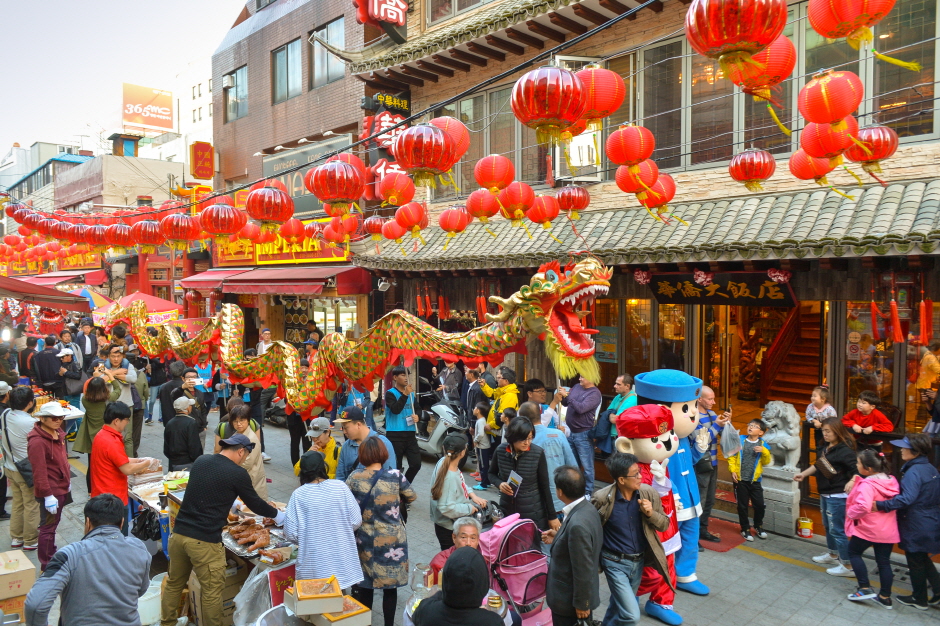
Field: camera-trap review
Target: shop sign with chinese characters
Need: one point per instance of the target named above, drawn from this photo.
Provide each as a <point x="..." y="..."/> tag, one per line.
<point x="732" y="288"/>
<point x="280" y="252"/>
<point x="276" y="166"/>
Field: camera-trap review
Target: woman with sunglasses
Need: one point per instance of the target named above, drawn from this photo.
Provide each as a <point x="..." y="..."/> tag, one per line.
<point x="45" y="446"/>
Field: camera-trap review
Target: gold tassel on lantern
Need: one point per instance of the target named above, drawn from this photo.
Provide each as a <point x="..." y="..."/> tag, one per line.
<point x="773" y="115"/>
<point x="854" y="175"/>
<point x="913" y="65"/>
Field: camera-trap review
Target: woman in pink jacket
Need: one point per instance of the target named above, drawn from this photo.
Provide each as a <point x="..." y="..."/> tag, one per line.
<point x="866" y="528"/>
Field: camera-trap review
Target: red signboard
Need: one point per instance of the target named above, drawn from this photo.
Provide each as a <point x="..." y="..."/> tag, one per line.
<point x="279" y="252"/>
<point x="391" y="11"/>
<point x="87" y="261"/>
<point x="201" y="160"/>
<point x="29" y="268"/>
<point x="383" y="121"/>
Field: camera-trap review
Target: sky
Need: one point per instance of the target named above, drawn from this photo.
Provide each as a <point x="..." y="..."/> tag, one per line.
<point x="63" y="62"/>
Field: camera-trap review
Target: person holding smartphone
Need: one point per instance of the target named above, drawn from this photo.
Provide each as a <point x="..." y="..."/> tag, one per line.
<point x="706" y="470"/>
<point x="200" y="411"/>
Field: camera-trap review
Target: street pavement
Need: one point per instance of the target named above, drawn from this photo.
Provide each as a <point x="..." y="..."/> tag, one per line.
<point x="763" y="583"/>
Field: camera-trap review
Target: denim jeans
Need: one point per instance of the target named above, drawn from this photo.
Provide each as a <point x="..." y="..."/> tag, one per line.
<point x="153" y="399"/>
<point x="623" y="580"/>
<point x="583" y="446"/>
<point x="833" y="517"/>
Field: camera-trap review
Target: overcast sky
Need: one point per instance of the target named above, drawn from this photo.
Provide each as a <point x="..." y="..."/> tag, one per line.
<point x="63" y="62"/>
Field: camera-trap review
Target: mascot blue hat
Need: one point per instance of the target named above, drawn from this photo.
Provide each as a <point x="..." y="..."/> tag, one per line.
<point x="667" y="386"/>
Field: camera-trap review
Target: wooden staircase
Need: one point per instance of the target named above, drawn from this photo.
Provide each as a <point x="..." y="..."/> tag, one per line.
<point x="790" y="368"/>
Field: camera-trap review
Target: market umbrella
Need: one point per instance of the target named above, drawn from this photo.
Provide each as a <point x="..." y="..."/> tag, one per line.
<point x="158" y="309"/>
<point x="96" y="300"/>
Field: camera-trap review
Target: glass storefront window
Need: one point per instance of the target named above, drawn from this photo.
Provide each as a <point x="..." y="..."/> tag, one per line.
<point x="712" y="112"/>
<point x="672" y="336"/>
<point x="662" y="102"/>
<point x="869" y="364"/>
<point x="636" y="344"/>
<point x="624" y="339"/>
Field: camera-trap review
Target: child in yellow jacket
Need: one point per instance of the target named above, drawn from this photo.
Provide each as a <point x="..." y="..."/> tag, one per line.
<point x="746" y="468"/>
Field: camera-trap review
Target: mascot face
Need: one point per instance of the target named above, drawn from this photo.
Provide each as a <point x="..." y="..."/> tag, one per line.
<point x="647" y="431"/>
<point x="674" y="390"/>
<point x="685" y="415"/>
<point x="657" y="448"/>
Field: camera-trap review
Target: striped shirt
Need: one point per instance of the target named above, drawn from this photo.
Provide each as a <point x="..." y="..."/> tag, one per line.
<point x="322" y="519"/>
<point x="707" y="420"/>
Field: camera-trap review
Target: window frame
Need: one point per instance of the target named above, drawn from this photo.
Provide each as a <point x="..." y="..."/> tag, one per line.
<point x="322" y="32"/>
<point x="454" y="12"/>
<point x="286" y="49"/>
<point x="234" y="88"/>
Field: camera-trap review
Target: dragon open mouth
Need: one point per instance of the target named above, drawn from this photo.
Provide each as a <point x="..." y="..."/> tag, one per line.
<point x="565" y="321"/>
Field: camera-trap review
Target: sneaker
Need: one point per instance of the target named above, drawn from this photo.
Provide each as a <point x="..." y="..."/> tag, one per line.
<point x="863" y="594"/>
<point x="934" y="601"/>
<point x="885" y="602"/>
<point x="747" y="535"/>
<point x="823" y="559"/>
<point x="840" y="570"/>
<point x="16" y="543"/>
<point x="760" y="532"/>
<point x="149" y="422"/>
<point x="480" y="488"/>
<point x="4" y="515"/>
<point x="31" y="546"/>
<point x="265" y="457"/>
<point x="911" y="602"/>
<point x="475" y="475"/>
<point x="707" y="536"/>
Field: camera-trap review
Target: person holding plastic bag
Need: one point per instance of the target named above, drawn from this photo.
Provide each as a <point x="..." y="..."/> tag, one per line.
<point x="706" y="469"/>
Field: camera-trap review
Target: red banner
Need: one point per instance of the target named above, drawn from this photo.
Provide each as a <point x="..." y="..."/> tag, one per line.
<point x="201" y="160"/>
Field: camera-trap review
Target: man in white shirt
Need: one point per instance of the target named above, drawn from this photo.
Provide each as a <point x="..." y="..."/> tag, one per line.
<point x="265" y="344"/>
<point x="15" y="425"/>
<point x="87" y="344"/>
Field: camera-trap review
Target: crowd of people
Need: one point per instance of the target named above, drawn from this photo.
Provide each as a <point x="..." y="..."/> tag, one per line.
<point x="358" y="492"/>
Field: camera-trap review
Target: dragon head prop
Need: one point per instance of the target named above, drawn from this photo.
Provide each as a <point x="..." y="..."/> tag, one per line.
<point x="550" y="307"/>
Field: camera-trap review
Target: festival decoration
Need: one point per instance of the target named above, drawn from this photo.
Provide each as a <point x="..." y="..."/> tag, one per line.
<point x="453" y="220"/>
<point x="424" y="151"/>
<point x="639" y="181"/>
<point x="572" y="200"/>
<point x="546" y="307"/>
<point x="482" y="205"/>
<point x="829" y="141"/>
<point x="373" y="226"/>
<point x="119" y="238"/>
<point x="270" y="206"/>
<point x="410" y="217"/>
<point x="178" y="229"/>
<point x="221" y="221"/>
<point x="751" y="167"/>
<point x="292" y="231"/>
<point x="515" y="200"/>
<point x="548" y="99"/>
<point x="494" y="172"/>
<point x="350" y="159"/>
<point x="731" y="31"/>
<point x="779" y="276"/>
<point x="853" y="20"/>
<point x="703" y="278"/>
<point x="604" y="91"/>
<point x="336" y="182"/>
<point x="396" y="188"/>
<point x="544" y="209"/>
<point x="458" y="133"/>
<point x="62" y="232"/>
<point x="314" y="232"/>
<point x="97" y="237"/>
<point x="268" y="182"/>
<point x="658" y="198"/>
<point x="830" y="97"/>
<point x="760" y="79"/>
<point x="805" y="167"/>
<point x="881" y="143"/>
<point x="630" y="145"/>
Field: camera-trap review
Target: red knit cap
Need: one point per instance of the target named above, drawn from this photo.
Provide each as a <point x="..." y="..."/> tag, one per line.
<point x="645" y="421"/>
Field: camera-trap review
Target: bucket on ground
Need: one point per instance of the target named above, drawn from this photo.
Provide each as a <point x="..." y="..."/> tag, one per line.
<point x="148" y="606"/>
<point x="804" y="527"/>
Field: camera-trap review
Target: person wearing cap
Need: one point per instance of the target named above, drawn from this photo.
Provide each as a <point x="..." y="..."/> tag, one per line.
<point x="52" y="479"/>
<point x="65" y="341"/>
<point x="918" y="507"/>
<point x="319" y="508"/>
<point x="215" y="481"/>
<point x="71" y="373"/>
<point x="464" y="587"/>
<point x="109" y="464"/>
<point x="181" y="444"/>
<point x="200" y="411"/>
<point x="320" y="439"/>
<point x="355" y="430"/>
<point x="450" y="497"/>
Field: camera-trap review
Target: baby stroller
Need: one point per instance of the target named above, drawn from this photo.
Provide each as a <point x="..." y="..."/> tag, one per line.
<point x="518" y="567"/>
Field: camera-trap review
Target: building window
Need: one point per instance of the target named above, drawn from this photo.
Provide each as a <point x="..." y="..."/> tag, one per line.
<point x="194" y="116"/>
<point x="286" y="70"/>
<point x="210" y="85"/>
<point x="194" y="92"/>
<point x="262" y="3"/>
<point x="200" y="114"/>
<point x="200" y="90"/>
<point x="439" y="10"/>
<point x="210" y="109"/>
<point x="235" y="90"/>
<point x="326" y="67"/>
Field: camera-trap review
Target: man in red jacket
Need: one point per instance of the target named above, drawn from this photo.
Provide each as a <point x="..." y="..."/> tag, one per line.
<point x="866" y="419"/>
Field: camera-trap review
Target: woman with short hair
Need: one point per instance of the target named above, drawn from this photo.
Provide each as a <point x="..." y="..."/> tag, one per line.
<point x="532" y="498"/>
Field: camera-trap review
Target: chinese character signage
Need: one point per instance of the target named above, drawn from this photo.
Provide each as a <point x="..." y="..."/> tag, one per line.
<point x="305" y="203"/>
<point x="395" y="103"/>
<point x="605" y="344"/>
<point x="382" y="121"/>
<point x="389" y="15"/>
<point x="87" y="261"/>
<point x="201" y="160"/>
<point x="278" y="252"/>
<point x="733" y="288"/>
<point x="145" y="107"/>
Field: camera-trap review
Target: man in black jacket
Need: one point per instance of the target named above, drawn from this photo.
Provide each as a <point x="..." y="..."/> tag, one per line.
<point x="166" y="394"/>
<point x="464" y="585"/>
<point x="200" y="411"/>
<point x="573" y="588"/>
<point x="181" y="436"/>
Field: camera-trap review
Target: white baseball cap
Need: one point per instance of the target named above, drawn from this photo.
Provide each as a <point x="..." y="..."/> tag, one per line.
<point x="65" y="352"/>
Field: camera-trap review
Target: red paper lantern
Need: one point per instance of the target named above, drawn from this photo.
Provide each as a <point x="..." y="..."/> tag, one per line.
<point x="751" y="167"/>
<point x="771" y="66"/>
<point x="661" y="193"/>
<point x="269" y="182"/>
<point x="192" y="296"/>
<point x="851" y="19"/>
<point x="120" y="237"/>
<point x="630" y="145"/>
<point x="482" y="205"/>
<point x="515" y="200"/>
<point x="272" y="207"/>
<point x="250" y="232"/>
<point x="805" y="167"/>
<point x="544" y="209"/>
<point x="548" y="99"/>
<point x="453" y="220"/>
<point x="373" y="226"/>
<point x="12" y="208"/>
<point x="313" y="230"/>
<point x="574" y="130"/>
<point x="393" y="231"/>
<point x="350" y="159"/>
<point x="20" y="214"/>
<point x="332" y="236"/>
<point x="494" y="172"/>
<point x="410" y="216"/>
<point x="424" y="151"/>
<point x="11" y="240"/>
<point x="604" y="91"/>
<point x="61" y="231"/>
<point x="572" y="200"/>
<point x="830" y="97"/>
<point x="221" y="221"/>
<point x="828" y="141"/>
<point x="396" y="188"/>
<point x="338" y="183"/>
<point x="457" y="131"/>
<point x="32" y="220"/>
<point x="146" y="233"/>
<point x="292" y="231"/>
<point x="97" y="236"/>
<point x="179" y="230"/>
<point x="44" y="227"/>
<point x="882" y="143"/>
<point x="731" y="31"/>
<point x="640" y="181"/>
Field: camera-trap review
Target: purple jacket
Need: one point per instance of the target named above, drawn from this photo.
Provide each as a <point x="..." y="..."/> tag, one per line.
<point x="582" y="404"/>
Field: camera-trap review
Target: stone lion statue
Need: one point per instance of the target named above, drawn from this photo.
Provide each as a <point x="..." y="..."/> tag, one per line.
<point x="783" y="434"/>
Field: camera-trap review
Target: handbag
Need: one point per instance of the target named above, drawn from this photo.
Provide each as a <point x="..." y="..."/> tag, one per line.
<point x="75" y="386"/>
<point x="23" y="466"/>
<point x="824" y="467"/>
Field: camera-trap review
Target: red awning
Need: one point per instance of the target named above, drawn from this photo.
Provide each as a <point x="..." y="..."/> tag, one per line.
<point x="43" y="296"/>
<point x="212" y="279"/>
<point x="287" y="289"/>
<point x="284" y="280"/>
<point x="85" y="277"/>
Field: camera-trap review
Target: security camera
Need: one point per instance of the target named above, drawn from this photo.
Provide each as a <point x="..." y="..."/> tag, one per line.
<point x="384" y="284"/>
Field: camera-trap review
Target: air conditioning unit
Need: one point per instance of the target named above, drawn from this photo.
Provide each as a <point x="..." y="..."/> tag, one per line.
<point x="228" y="81"/>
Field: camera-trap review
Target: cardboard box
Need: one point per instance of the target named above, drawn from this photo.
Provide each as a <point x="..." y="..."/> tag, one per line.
<point x="352" y="614"/>
<point x="328" y="602"/>
<point x="14" y="606"/>
<point x="235" y="575"/>
<point x="17" y="574"/>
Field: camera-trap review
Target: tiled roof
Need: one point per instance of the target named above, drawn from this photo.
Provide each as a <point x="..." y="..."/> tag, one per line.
<point x="903" y="218"/>
<point x="492" y="18"/>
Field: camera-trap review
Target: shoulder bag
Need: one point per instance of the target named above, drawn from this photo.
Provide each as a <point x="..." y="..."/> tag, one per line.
<point x="824" y="467"/>
<point x="23" y="466"/>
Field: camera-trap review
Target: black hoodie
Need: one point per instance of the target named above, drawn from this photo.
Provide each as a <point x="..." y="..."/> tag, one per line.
<point x="465" y="583"/>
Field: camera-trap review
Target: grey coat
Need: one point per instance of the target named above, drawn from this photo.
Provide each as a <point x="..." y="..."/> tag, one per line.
<point x="100" y="579"/>
<point x="573" y="582"/>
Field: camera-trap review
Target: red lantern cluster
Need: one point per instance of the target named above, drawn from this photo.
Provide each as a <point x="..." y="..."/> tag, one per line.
<point x="515" y="200"/>
<point x="549" y="100"/>
<point x="875" y="144"/>
<point x="732" y="31"/>
<point x="336" y="182"/>
<point x="396" y="189"/>
<point x="270" y="206"/>
<point x="178" y="229"/>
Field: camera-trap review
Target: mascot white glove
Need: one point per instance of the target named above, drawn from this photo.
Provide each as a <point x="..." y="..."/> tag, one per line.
<point x="678" y="500"/>
<point x="658" y="470"/>
<point x="702" y="440"/>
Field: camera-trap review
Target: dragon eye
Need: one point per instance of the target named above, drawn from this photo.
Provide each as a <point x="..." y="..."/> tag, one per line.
<point x="552" y="276"/>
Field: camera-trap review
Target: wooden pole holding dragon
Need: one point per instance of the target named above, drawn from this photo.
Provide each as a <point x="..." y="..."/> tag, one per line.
<point x="549" y="307"/>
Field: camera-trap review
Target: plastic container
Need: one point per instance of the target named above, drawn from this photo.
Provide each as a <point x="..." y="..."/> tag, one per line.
<point x="804" y="527"/>
<point x="278" y="616"/>
<point x="148" y="607"/>
<point x="158" y="580"/>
